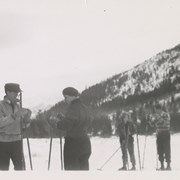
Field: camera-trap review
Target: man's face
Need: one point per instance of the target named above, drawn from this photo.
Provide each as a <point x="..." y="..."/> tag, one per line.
<point x="68" y="99"/>
<point x="12" y="96"/>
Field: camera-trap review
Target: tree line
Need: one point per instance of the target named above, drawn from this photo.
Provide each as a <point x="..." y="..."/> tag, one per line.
<point x="104" y="118"/>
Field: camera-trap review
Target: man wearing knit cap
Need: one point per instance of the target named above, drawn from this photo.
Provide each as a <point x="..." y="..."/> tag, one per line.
<point x="77" y="147"/>
<point x="12" y="118"/>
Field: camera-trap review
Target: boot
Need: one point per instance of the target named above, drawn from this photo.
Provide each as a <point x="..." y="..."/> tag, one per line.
<point x="133" y="168"/>
<point x="124" y="168"/>
<point x="162" y="167"/>
<point x="168" y="167"/>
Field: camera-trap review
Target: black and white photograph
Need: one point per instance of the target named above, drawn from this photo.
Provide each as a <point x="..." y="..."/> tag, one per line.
<point x="90" y="89"/>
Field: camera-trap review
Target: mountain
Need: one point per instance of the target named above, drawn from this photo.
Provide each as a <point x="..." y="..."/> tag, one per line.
<point x="161" y="72"/>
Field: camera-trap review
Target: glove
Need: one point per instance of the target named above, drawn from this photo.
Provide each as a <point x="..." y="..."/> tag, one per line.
<point x="60" y="116"/>
<point x="21" y="113"/>
<point x="26" y="118"/>
<point x="123" y="142"/>
<point x="53" y="120"/>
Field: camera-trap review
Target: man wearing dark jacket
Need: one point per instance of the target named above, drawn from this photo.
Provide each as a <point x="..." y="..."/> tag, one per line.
<point x="77" y="147"/>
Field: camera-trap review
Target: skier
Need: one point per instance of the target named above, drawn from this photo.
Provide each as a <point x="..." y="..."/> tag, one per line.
<point x="12" y="119"/>
<point x="161" y="120"/>
<point x="126" y="130"/>
<point x="77" y="147"/>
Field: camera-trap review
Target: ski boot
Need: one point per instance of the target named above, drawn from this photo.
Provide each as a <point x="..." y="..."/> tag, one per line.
<point x="168" y="168"/>
<point x="124" y="168"/>
<point x="133" y="168"/>
<point x="162" y="167"/>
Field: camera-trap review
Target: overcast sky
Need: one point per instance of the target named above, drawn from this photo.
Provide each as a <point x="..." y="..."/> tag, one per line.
<point x="46" y="45"/>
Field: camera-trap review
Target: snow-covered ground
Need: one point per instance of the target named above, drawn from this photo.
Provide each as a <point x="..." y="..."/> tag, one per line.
<point x="102" y="149"/>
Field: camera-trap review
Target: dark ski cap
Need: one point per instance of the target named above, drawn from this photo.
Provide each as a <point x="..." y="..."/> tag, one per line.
<point x="70" y="91"/>
<point x="12" y="87"/>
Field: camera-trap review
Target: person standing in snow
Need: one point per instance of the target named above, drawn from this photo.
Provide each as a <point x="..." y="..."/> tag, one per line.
<point x="77" y="147"/>
<point x="126" y="129"/>
<point x="161" y="120"/>
<point x="12" y="119"/>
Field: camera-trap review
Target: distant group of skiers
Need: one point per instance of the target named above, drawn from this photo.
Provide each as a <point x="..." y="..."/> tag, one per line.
<point x="77" y="147"/>
<point x="127" y="126"/>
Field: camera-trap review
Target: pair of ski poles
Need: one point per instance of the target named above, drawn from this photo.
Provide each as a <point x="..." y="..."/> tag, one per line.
<point x="146" y="135"/>
<point x="144" y="150"/>
<point x="139" y="157"/>
<point x="61" y="153"/>
<point x="127" y="152"/>
<point x="29" y="149"/>
<point x="28" y="144"/>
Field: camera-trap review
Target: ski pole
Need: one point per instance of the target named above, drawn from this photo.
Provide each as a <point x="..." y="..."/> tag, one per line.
<point x="61" y="153"/>
<point x="144" y="147"/>
<point x="50" y="148"/>
<point x="138" y="151"/>
<point x="29" y="150"/>
<point x="22" y="148"/>
<point x="109" y="159"/>
<point x="28" y="144"/>
<point x="157" y="155"/>
<point x="127" y="143"/>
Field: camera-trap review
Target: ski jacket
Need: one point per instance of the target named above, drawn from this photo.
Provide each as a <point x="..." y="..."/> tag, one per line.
<point x="76" y="121"/>
<point x="10" y="129"/>
<point x="127" y="128"/>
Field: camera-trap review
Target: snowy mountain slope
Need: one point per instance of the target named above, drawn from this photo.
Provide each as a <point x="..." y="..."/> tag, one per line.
<point x="143" y="78"/>
<point x="158" y="72"/>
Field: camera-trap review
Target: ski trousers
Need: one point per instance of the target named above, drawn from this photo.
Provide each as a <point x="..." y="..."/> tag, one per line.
<point x="163" y="146"/>
<point x="76" y="153"/>
<point x="11" y="151"/>
<point x="127" y="148"/>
